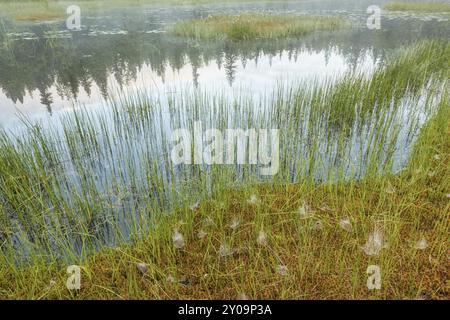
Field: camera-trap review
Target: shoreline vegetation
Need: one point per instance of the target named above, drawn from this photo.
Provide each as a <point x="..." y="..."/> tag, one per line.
<point x="255" y="26"/>
<point x="49" y="10"/>
<point x="277" y="240"/>
<point x="425" y="7"/>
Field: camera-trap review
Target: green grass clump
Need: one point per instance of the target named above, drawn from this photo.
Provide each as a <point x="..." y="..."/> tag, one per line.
<point x="418" y="6"/>
<point x="255" y="25"/>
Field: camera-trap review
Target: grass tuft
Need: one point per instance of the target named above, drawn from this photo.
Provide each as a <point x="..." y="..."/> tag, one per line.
<point x="418" y="6"/>
<point x="255" y="25"/>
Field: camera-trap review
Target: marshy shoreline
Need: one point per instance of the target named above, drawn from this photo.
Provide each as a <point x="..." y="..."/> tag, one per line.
<point x="211" y="149"/>
<point x="424" y="7"/>
<point x="283" y="239"/>
<point x="50" y="10"/>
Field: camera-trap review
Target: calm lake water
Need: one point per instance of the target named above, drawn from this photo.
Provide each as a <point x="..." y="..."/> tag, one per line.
<point x="45" y="68"/>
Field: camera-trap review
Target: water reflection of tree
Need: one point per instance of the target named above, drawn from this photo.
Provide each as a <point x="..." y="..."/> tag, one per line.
<point x="81" y="62"/>
<point x="230" y="63"/>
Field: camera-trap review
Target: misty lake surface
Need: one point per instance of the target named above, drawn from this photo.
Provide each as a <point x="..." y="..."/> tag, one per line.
<point x="45" y="68"/>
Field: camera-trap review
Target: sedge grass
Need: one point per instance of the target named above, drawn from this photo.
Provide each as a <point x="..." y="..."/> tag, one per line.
<point x="322" y="264"/>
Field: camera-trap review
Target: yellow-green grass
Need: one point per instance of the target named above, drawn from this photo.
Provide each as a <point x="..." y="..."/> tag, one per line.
<point x="32" y="10"/>
<point x="301" y="221"/>
<point x="255" y="25"/>
<point x="418" y="6"/>
<point x="325" y="263"/>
